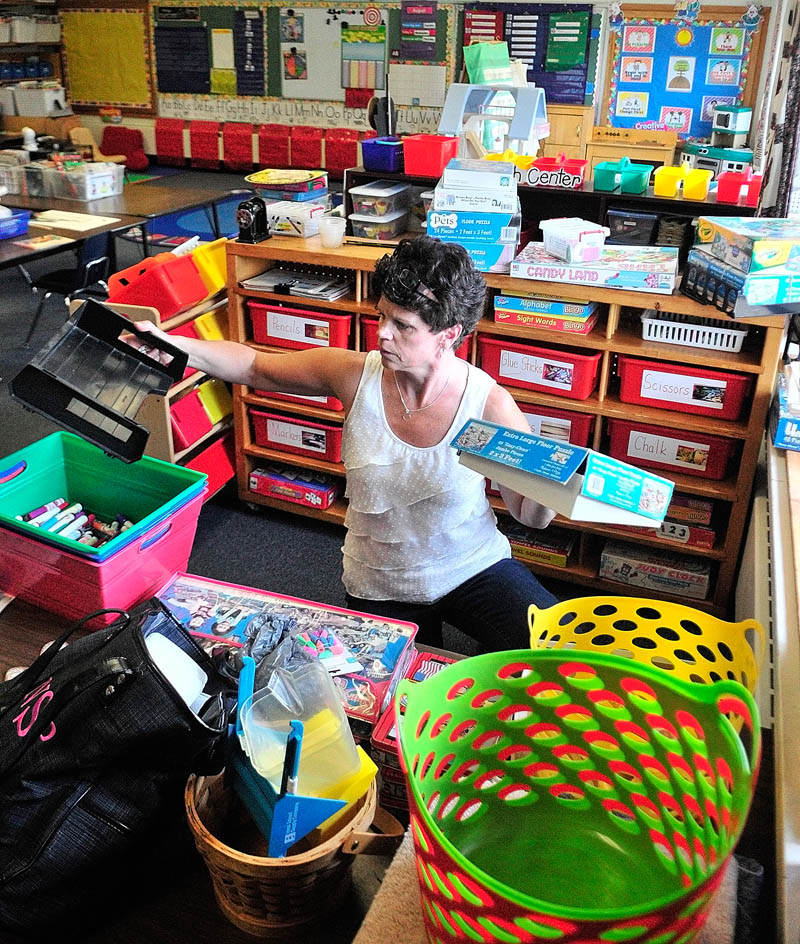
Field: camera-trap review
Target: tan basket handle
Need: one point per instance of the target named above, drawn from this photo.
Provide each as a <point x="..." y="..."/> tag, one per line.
<point x="381" y="843"/>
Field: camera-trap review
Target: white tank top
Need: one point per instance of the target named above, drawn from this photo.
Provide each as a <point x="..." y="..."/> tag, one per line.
<point x="418" y="522"/>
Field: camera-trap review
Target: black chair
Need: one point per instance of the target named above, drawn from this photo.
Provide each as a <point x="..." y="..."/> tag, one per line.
<point x="87" y="277"/>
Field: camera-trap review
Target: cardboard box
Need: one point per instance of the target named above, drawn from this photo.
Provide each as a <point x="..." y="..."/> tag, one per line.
<point x="541" y="305"/>
<point x="295" y="485"/>
<point x="551" y="546"/>
<point x="655" y="570"/>
<point x="718" y="283"/>
<point x="488" y="257"/>
<point x="690" y="510"/>
<point x="471" y="174"/>
<point x="633" y="268"/>
<point x="495" y="201"/>
<point x="607" y="490"/>
<point x="784" y="426"/>
<point x="555" y="323"/>
<point x="678" y="533"/>
<point x="750" y="244"/>
<point x="474" y="226"/>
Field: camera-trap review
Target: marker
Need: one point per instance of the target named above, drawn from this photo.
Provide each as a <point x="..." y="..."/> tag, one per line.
<point x="73" y="509"/>
<point x="56" y="503"/>
<point x="59" y="526"/>
<point x="74" y="530"/>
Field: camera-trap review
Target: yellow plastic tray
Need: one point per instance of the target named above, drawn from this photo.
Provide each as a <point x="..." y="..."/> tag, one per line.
<point x="212" y="326"/>
<point x="216" y="399"/>
<point x="212" y="265"/>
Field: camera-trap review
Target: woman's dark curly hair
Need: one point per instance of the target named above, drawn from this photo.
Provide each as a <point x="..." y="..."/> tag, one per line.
<point x="446" y="270"/>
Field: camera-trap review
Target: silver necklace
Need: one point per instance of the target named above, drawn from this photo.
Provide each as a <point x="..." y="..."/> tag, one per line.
<point x="406" y="412"/>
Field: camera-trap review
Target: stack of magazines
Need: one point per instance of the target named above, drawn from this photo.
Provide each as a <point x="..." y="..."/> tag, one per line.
<point x="305" y="284"/>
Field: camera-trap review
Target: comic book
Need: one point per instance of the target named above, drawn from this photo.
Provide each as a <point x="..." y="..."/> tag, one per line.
<point x="366" y="655"/>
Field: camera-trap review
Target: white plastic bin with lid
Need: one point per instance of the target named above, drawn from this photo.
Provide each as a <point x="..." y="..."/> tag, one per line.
<point x="328" y="756"/>
<point x="40" y="102"/>
<point x="379" y="227"/>
<point x="23" y="29"/>
<point x="573" y="239"/>
<point x="380" y="198"/>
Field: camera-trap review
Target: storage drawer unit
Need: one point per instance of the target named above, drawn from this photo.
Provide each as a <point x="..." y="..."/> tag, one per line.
<point x="564" y="372"/>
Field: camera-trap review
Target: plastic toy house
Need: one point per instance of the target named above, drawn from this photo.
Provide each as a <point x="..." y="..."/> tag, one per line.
<point x="629" y="177"/>
<point x="522" y="110"/>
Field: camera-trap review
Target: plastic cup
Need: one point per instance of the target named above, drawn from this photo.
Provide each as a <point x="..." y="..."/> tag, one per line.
<point x="331" y="231"/>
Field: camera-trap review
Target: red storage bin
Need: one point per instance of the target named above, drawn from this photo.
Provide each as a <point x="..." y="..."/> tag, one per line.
<point x="218" y="461"/>
<point x="426" y="155"/>
<point x="189" y="420"/>
<point x="298" y="328"/>
<point x="169" y="141"/>
<point x="204" y="144"/>
<point x="306" y="146"/>
<point x="369" y="337"/>
<point x="297" y="435"/>
<point x="187" y="330"/>
<point x="171" y="284"/>
<point x="273" y="145"/>
<point x="681" y="387"/>
<point x="341" y="150"/>
<point x="328" y="403"/>
<point x="237" y="145"/>
<point x="564" y="372"/>
<point x="658" y="447"/>
<point x="578" y="426"/>
<point x="73" y="586"/>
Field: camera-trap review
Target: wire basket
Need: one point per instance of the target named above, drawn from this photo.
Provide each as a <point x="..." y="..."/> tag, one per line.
<point x="274" y="897"/>
<point x="555" y="799"/>
<point x="674" y="328"/>
<point x="691" y="644"/>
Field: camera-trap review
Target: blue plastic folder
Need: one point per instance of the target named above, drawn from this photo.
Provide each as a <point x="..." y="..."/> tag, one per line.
<point x="578" y="483"/>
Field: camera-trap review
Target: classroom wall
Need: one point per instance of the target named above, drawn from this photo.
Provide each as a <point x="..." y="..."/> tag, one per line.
<point x="410" y="118"/>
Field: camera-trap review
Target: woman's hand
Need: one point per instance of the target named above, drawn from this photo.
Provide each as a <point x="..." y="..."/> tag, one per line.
<point x="140" y="344"/>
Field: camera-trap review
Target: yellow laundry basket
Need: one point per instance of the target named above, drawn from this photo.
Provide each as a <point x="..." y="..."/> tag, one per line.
<point x="692" y="645"/>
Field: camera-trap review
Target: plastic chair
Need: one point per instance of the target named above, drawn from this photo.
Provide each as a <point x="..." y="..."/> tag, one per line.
<point x="84" y="139"/>
<point x="87" y="277"/>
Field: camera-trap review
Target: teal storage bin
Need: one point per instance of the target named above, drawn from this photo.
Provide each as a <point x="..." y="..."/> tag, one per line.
<point x="629" y="177"/>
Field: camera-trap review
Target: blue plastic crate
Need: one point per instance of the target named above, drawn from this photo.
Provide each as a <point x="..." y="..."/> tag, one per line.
<point x="14" y="225"/>
<point x="382" y="154"/>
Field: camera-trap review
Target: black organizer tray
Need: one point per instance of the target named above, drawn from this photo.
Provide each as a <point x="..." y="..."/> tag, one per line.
<point x="92" y="383"/>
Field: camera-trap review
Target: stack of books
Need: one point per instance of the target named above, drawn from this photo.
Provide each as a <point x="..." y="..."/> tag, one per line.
<point x="742" y="264"/>
<point x="277" y="183"/>
<point x="303" y="284"/>
<point x="633" y="268"/>
<point x="475" y="204"/>
<point x="538" y="311"/>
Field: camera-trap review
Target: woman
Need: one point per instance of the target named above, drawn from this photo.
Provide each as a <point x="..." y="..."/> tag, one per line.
<point x="422" y="542"/>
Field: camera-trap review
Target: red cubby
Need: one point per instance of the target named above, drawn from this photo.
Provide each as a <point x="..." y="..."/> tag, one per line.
<point x="273" y="146"/>
<point x="341" y="150"/>
<point x="237" y="146"/>
<point x="169" y="141"/>
<point x="306" y="146"/>
<point x="204" y="144"/>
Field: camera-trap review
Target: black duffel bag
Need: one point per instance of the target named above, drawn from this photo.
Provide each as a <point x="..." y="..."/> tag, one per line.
<point x="95" y="749"/>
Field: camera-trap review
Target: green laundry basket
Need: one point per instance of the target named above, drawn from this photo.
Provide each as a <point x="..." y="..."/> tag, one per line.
<point x="573" y="796"/>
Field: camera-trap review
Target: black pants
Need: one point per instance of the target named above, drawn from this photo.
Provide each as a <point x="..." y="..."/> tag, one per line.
<point x="491" y="607"/>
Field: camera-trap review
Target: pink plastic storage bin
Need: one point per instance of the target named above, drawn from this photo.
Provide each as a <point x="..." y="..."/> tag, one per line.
<point x="563" y="372"/>
<point x="170" y="285"/>
<point x="297" y="435"/>
<point x="637" y="374"/>
<point x="426" y="155"/>
<point x="73" y="586"/>
<point x="189" y="420"/>
<point x="369" y="337"/>
<point x="691" y="453"/>
<point x="325" y="403"/>
<point x="218" y="461"/>
<point x="298" y="328"/>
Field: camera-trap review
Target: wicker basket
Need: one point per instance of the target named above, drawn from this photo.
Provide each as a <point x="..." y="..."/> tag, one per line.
<point x="274" y="897"/>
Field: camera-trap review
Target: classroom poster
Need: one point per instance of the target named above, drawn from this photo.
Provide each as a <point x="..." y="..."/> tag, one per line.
<point x="364" y="54"/>
<point x="418" y="30"/>
<point x="701" y="63"/>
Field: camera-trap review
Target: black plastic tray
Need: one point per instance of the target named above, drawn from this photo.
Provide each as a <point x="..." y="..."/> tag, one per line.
<point x="92" y="383"/>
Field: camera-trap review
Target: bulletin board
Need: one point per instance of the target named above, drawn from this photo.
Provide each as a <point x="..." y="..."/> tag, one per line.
<point x="216" y="49"/>
<point x="712" y="58"/>
<point x="558" y="43"/>
<point x="107" y="59"/>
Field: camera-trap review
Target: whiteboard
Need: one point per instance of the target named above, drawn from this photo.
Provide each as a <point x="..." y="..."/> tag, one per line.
<point x="321" y="45"/>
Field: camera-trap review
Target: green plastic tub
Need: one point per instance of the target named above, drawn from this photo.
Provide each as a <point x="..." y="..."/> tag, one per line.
<point x="629" y="177"/>
<point x="63" y="465"/>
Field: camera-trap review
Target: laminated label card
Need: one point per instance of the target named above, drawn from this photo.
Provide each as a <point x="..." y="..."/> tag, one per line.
<point x="604" y="490"/>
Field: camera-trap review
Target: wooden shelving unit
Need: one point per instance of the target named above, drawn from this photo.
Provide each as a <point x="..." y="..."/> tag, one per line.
<point x="618" y="332"/>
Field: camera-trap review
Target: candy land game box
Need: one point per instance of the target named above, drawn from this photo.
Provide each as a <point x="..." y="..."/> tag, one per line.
<point x="366" y="655"/>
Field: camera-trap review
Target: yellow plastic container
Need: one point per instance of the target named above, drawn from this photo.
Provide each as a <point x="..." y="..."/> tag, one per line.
<point x="695" y="184"/>
<point x="351" y="790"/>
<point x="212" y="265"/>
<point x="691" y="644"/>
<point x="212" y="326"/>
<point x="667" y="179"/>
<point x="216" y="399"/>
